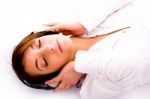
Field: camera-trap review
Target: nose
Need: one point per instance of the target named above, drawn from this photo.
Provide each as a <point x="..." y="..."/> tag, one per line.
<point x="48" y="49"/>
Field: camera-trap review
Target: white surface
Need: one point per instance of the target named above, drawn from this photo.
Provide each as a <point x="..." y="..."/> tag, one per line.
<point x="18" y="18"/>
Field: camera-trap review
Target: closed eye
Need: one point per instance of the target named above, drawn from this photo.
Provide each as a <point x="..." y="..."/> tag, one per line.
<point x="37" y="66"/>
<point x="45" y="62"/>
<point x="39" y="43"/>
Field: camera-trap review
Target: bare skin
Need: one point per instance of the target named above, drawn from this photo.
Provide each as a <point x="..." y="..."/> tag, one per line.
<point x="74" y="76"/>
<point x="46" y="49"/>
<point x="69" y="28"/>
<point x="73" y="28"/>
<point x="56" y="58"/>
<point x="52" y="52"/>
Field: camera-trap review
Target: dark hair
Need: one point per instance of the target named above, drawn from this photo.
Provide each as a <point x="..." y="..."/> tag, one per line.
<point x="37" y="82"/>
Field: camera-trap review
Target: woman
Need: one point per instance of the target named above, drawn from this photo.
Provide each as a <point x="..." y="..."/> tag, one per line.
<point x="40" y="57"/>
<point x="113" y="61"/>
<point x="50" y="52"/>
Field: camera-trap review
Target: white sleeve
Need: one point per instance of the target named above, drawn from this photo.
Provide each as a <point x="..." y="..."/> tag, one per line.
<point x="91" y="13"/>
<point x="114" y="65"/>
<point x="120" y="71"/>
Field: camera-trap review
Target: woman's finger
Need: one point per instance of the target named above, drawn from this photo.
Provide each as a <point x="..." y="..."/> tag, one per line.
<point x="50" y="24"/>
<point x="60" y="87"/>
<point x="55" y="28"/>
<point x="54" y="80"/>
<point x="67" y="86"/>
<point x="47" y="28"/>
<point x="66" y="32"/>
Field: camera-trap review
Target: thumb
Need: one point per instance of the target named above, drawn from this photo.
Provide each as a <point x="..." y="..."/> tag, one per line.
<point x="55" y="28"/>
<point x="50" y="24"/>
<point x="61" y="27"/>
<point x="54" y="80"/>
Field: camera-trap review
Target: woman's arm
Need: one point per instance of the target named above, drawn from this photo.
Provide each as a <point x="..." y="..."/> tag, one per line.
<point x="109" y="63"/>
<point x="109" y="73"/>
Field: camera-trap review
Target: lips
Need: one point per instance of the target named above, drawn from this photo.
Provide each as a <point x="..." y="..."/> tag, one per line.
<point x="59" y="46"/>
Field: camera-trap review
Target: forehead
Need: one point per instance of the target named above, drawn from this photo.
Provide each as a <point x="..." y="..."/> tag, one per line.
<point x="28" y="61"/>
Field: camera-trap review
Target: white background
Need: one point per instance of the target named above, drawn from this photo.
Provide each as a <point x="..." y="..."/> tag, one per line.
<point x="20" y="17"/>
<point x="17" y="19"/>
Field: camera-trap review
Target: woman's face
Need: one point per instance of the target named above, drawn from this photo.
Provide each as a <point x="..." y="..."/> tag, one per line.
<point x="47" y="54"/>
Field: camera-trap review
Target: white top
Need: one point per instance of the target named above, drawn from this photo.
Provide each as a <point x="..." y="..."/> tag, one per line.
<point x="118" y="62"/>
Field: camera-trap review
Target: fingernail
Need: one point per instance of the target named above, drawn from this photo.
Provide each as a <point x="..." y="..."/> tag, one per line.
<point x="53" y="84"/>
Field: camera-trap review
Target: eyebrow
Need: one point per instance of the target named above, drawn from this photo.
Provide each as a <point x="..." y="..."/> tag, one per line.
<point x="36" y="65"/>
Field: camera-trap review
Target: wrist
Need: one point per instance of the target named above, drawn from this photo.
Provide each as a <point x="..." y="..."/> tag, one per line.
<point x="72" y="64"/>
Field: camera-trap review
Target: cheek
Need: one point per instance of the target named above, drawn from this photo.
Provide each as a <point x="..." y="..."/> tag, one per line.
<point x="55" y="63"/>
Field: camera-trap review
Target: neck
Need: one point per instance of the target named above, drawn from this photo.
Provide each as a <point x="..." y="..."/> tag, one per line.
<point x="82" y="43"/>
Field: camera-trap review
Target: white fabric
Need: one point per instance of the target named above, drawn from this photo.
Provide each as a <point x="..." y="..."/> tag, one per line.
<point x="104" y="14"/>
<point x="120" y="61"/>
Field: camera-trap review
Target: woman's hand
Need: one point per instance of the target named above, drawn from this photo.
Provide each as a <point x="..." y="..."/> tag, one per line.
<point x="70" y="28"/>
<point x="67" y="77"/>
